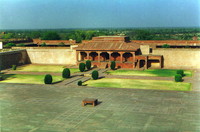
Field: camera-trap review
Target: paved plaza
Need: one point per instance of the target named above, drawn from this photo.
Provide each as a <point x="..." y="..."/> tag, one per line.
<point x="54" y="108"/>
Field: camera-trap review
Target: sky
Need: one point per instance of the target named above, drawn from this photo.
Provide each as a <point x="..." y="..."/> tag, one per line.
<point x="52" y="14"/>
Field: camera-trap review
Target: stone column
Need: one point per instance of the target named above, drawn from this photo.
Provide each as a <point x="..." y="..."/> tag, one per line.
<point x="160" y="60"/>
<point x="121" y="57"/>
<point x="133" y="53"/>
<point x="77" y="55"/>
<point x="99" y="56"/>
<point x="146" y="62"/>
<point x="109" y="55"/>
<point x="88" y="55"/>
<point x="138" y="64"/>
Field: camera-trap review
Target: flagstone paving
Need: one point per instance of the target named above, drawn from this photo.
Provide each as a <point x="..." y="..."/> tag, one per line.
<point x="57" y="108"/>
<point x="54" y="108"/>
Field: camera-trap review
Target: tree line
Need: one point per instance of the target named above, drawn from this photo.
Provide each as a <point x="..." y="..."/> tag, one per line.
<point x="87" y="34"/>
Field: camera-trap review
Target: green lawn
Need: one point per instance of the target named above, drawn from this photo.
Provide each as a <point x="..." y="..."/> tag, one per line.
<point x="33" y="79"/>
<point x="45" y="68"/>
<point x="149" y="72"/>
<point x="139" y="84"/>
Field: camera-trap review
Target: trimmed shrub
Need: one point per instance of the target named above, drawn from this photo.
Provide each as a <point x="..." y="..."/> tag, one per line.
<point x="178" y="78"/>
<point x="95" y="75"/>
<point x="66" y="73"/>
<point x="112" y="65"/>
<point x="165" y="46"/>
<point x="82" y="67"/>
<point x="181" y="72"/>
<point x="48" y="79"/>
<point x="88" y="64"/>
<point x="79" y="83"/>
<point x="14" y="67"/>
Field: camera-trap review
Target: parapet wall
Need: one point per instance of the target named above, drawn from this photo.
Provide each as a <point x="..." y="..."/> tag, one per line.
<point x="18" y="57"/>
<point x="52" y="56"/>
<point x="180" y="58"/>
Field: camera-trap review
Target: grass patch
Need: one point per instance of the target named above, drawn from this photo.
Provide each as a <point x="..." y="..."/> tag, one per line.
<point x="45" y="68"/>
<point x="149" y="72"/>
<point x="32" y="79"/>
<point x="139" y="84"/>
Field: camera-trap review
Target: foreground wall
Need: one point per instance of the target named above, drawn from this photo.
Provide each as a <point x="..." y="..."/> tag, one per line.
<point x="7" y="59"/>
<point x="52" y="56"/>
<point x="180" y="58"/>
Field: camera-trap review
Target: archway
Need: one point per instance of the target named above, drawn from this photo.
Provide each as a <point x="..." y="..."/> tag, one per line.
<point x="115" y="56"/>
<point x="94" y="56"/>
<point x="105" y="56"/>
<point x="83" y="56"/>
<point x="142" y="63"/>
<point x="127" y="57"/>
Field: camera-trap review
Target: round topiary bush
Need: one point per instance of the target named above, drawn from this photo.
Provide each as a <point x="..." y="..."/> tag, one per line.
<point x="181" y="72"/>
<point x="66" y="73"/>
<point x="88" y="64"/>
<point x="95" y="75"/>
<point x="178" y="78"/>
<point x="79" y="83"/>
<point x="82" y="67"/>
<point x="112" y="65"/>
<point x="48" y="79"/>
<point x="14" y="67"/>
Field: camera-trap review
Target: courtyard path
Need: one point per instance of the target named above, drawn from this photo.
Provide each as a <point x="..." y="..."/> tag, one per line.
<point x="195" y="80"/>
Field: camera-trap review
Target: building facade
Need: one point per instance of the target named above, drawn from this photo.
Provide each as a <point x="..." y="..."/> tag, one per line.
<point x="104" y="49"/>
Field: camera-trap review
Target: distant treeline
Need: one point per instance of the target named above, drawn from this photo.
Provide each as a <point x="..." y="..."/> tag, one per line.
<point x="87" y="34"/>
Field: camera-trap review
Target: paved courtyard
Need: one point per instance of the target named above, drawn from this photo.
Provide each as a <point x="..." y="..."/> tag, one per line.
<point x="54" y="108"/>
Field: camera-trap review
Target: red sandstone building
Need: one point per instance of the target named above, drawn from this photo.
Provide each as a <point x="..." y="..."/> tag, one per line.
<point x="104" y="49"/>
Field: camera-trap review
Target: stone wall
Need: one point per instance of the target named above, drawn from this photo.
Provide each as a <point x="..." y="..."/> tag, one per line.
<point x="52" y="56"/>
<point x="180" y="58"/>
<point x="18" y="57"/>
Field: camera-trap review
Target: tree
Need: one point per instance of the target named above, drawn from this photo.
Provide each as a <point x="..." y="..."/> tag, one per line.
<point x="112" y="65"/>
<point x="34" y="35"/>
<point x="21" y="45"/>
<point x="50" y="36"/>
<point x="82" y="67"/>
<point x="140" y="35"/>
<point x="95" y="75"/>
<point x="9" y="45"/>
<point x="48" y="79"/>
<point x="66" y="73"/>
<point x="88" y="64"/>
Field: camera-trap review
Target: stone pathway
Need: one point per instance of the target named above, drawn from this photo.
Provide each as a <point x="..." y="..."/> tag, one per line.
<point x="195" y="80"/>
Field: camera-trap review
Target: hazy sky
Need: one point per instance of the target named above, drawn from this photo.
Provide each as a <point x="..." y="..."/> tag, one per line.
<point x="39" y="14"/>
